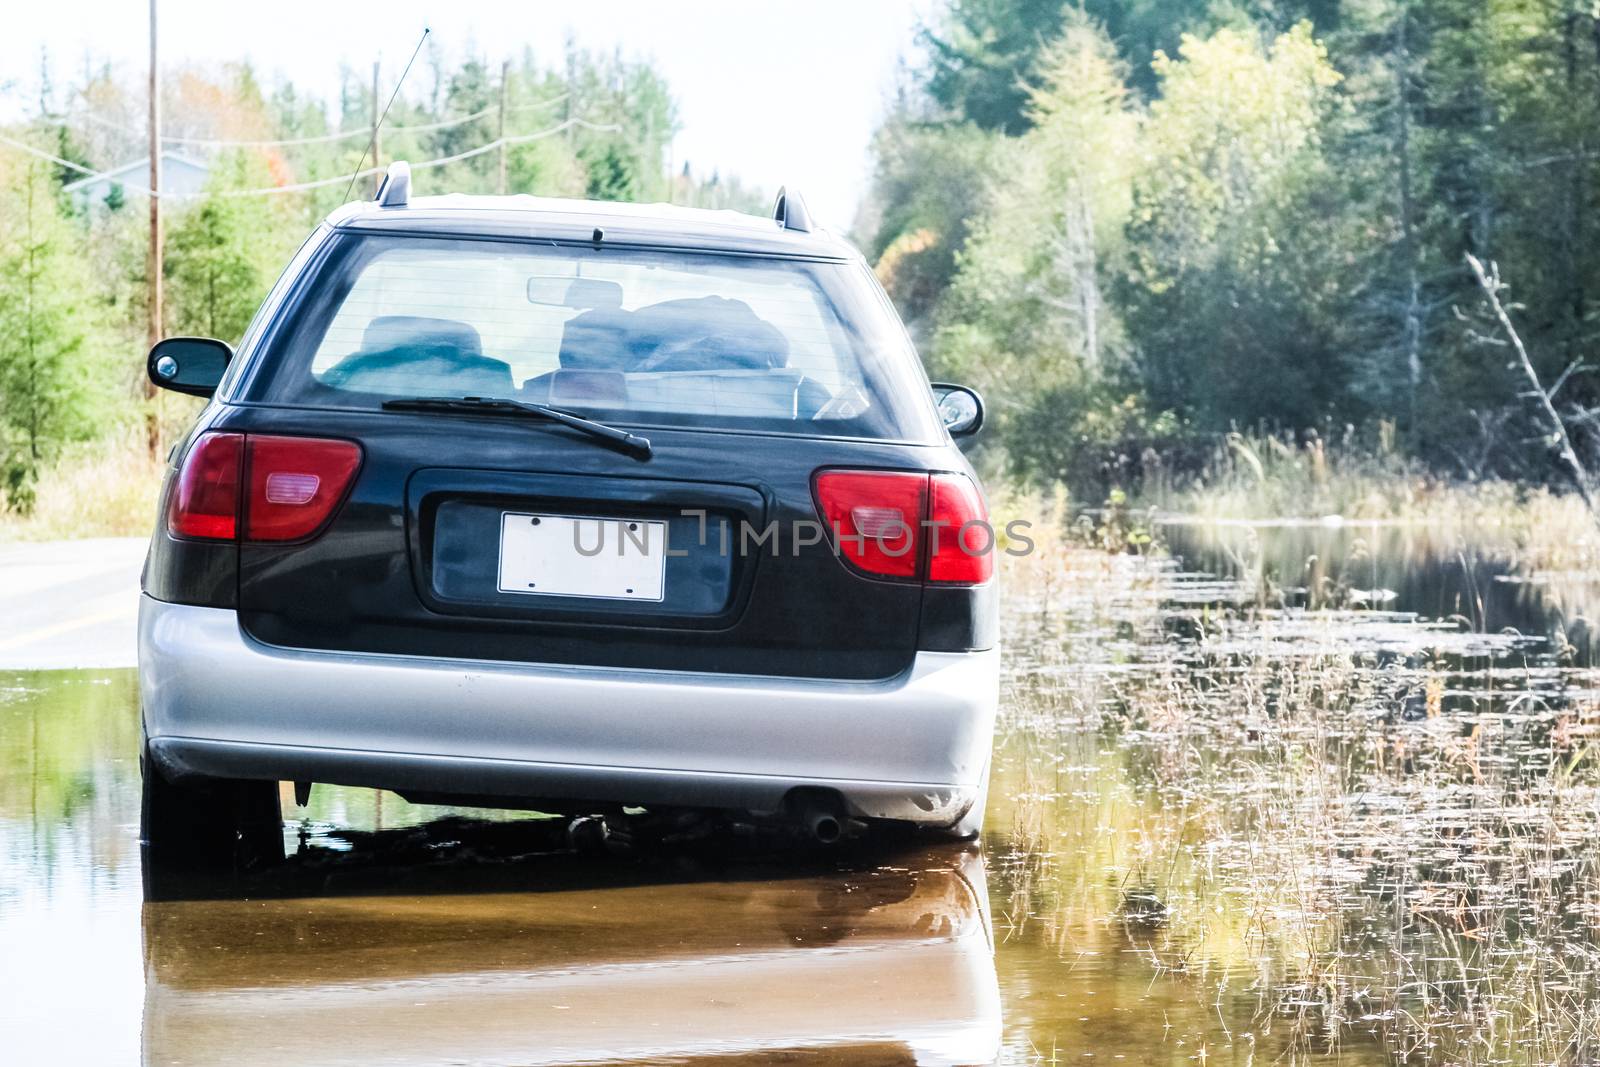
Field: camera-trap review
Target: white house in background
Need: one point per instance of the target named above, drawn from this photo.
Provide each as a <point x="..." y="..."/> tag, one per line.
<point x="180" y="176"/>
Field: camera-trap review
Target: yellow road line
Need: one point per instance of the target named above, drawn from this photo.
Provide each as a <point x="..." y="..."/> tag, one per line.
<point x="56" y="629"/>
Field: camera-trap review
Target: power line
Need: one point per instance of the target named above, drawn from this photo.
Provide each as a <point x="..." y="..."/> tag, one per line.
<point x="324" y="138"/>
<point x="299" y="187"/>
<point x="429" y="127"/>
<point x="69" y="164"/>
<point x="275" y="190"/>
<point x="524" y="138"/>
<point x="425" y="164"/>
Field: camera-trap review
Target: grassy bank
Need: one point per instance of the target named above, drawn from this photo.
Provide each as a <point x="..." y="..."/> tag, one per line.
<point x="104" y="488"/>
<point x="1269" y="477"/>
<point x="1271" y="480"/>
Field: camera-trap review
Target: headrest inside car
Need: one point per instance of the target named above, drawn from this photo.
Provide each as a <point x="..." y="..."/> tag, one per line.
<point x="702" y="334"/>
<point x="598" y="339"/>
<point x="708" y="333"/>
<point x="417" y="331"/>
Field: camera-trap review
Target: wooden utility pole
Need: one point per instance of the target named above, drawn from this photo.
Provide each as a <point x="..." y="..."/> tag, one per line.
<point x="500" y="135"/>
<point x="155" y="264"/>
<point x="377" y="161"/>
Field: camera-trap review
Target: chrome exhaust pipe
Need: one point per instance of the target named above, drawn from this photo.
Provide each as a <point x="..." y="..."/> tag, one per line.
<point x="825" y="828"/>
<point x="823" y="824"/>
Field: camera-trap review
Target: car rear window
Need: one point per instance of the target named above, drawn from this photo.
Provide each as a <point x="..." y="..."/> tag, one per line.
<point x="629" y="335"/>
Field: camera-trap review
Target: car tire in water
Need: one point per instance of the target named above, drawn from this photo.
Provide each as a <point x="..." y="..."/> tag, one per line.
<point x="207" y="822"/>
<point x="970" y="828"/>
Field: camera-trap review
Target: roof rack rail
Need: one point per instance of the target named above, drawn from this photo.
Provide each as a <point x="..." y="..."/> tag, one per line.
<point x="790" y="212"/>
<point x="396" y="188"/>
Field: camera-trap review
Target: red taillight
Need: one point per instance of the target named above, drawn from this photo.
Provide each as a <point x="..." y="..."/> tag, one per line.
<point x="881" y="521"/>
<point x="205" y="500"/>
<point x="294" y="485"/>
<point x="876" y="518"/>
<point x="963" y="545"/>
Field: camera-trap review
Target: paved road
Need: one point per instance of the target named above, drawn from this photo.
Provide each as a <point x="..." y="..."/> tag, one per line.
<point x="69" y="603"/>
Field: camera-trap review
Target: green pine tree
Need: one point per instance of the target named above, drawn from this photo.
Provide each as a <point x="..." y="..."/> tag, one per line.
<point x="53" y="377"/>
<point x="223" y="255"/>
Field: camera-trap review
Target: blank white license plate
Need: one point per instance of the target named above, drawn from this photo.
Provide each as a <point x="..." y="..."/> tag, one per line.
<point x="580" y="555"/>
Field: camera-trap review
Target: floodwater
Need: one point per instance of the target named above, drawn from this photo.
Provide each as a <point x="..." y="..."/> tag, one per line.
<point x="1129" y="903"/>
<point x="1412" y="568"/>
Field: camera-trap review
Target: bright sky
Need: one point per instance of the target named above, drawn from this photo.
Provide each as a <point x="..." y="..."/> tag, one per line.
<point x="779" y="93"/>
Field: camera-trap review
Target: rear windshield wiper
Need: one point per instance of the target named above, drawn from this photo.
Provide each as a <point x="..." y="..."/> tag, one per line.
<point x="632" y="444"/>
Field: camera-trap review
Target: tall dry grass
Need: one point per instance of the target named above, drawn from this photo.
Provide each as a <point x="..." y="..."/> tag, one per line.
<point x="105" y="488"/>
<point x="1267" y="476"/>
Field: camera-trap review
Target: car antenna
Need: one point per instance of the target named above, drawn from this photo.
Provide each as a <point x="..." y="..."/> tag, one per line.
<point x="372" y="142"/>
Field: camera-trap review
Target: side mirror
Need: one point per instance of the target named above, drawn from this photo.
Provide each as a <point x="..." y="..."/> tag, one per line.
<point x="192" y="365"/>
<point x="960" y="409"/>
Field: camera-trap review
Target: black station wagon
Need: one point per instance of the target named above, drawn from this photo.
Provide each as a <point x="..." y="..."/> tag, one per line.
<point x="569" y="506"/>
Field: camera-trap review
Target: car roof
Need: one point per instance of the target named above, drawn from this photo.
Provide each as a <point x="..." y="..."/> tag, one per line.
<point x="651" y="225"/>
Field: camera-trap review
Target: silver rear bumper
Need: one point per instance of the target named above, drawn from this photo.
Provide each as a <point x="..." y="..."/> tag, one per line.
<point x="219" y="703"/>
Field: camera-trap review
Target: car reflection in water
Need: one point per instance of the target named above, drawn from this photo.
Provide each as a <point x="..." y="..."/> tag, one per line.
<point x="557" y="959"/>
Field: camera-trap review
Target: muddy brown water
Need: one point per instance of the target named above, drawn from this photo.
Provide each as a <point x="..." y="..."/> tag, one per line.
<point x="400" y="934"/>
